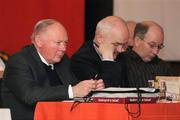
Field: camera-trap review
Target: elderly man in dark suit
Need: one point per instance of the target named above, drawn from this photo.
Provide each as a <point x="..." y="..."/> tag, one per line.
<point x="40" y="72"/>
<point x="98" y="56"/>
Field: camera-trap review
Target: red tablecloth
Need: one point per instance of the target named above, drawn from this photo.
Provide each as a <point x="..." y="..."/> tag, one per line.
<point x="105" y="111"/>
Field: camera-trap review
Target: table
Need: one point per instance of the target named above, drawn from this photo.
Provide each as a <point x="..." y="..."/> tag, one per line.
<point x="105" y="111"/>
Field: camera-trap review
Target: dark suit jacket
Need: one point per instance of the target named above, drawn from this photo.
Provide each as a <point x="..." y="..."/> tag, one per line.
<point x="139" y="72"/>
<point x="86" y="63"/>
<point x="26" y="82"/>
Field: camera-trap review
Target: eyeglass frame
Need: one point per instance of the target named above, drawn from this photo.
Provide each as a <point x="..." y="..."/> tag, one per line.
<point x="161" y="46"/>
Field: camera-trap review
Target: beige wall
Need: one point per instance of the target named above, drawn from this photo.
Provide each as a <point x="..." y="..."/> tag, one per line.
<point x="164" y="12"/>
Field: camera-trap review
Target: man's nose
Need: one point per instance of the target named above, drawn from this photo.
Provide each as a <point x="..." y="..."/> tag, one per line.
<point x="155" y="51"/>
<point x="62" y="47"/>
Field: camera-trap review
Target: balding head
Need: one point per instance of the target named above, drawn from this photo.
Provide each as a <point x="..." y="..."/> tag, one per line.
<point x="42" y="25"/>
<point x="131" y="26"/>
<point x="50" y="39"/>
<point x="144" y="27"/>
<point x="149" y="38"/>
<point x="155" y="28"/>
<point x="111" y="22"/>
<point x="112" y="30"/>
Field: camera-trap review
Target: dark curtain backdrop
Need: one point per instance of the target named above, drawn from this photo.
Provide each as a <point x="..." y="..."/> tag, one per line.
<point x="95" y="10"/>
<point x="17" y="19"/>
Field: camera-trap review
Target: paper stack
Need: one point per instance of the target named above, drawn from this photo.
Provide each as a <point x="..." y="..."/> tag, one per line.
<point x="125" y="95"/>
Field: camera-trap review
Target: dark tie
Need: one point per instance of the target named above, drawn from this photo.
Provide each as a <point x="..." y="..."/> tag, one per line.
<point x="53" y="76"/>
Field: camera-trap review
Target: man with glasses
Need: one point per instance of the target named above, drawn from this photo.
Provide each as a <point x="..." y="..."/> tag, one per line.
<point x="142" y="62"/>
<point x="98" y="57"/>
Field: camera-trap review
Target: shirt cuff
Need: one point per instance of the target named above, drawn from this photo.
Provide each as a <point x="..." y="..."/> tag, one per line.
<point x="70" y="92"/>
<point x="107" y="60"/>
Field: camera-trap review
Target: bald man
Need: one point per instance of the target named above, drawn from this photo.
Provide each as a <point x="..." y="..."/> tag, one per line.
<point x="131" y="26"/>
<point x="142" y="61"/>
<point x="41" y="72"/>
<point x="97" y="58"/>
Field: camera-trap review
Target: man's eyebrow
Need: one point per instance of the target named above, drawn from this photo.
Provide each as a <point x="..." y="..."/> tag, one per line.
<point x="61" y="40"/>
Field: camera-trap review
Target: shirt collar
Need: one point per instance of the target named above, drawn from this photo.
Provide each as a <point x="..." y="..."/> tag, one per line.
<point x="45" y="62"/>
<point x="95" y="47"/>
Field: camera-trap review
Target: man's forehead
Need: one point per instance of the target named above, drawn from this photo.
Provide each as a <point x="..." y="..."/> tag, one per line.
<point x="154" y="35"/>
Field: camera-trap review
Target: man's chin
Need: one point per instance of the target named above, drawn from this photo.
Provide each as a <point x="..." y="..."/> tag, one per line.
<point x="147" y="59"/>
<point x="58" y="60"/>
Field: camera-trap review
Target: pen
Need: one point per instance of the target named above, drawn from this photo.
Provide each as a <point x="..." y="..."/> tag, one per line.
<point x="95" y="77"/>
<point x="88" y="97"/>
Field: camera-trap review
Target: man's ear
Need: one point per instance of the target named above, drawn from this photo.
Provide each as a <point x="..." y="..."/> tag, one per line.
<point x="137" y="40"/>
<point x="38" y="40"/>
<point x="99" y="38"/>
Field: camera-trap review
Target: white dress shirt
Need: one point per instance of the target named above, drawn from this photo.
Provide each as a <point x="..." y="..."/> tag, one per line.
<point x="70" y="92"/>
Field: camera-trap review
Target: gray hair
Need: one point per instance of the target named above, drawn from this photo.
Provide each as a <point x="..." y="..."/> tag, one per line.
<point x="40" y="25"/>
<point x="103" y="27"/>
<point x="106" y="24"/>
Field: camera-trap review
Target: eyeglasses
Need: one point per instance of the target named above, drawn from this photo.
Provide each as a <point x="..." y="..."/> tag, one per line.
<point x="154" y="45"/>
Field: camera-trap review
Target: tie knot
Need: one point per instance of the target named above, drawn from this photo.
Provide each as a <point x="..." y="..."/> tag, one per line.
<point x="51" y="67"/>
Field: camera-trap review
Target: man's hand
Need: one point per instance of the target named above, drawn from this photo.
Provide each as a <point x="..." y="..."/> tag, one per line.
<point x="99" y="84"/>
<point x="83" y="88"/>
<point x="106" y="49"/>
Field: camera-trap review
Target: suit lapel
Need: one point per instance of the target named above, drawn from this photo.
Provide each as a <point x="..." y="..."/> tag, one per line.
<point x="61" y="73"/>
<point x="38" y="66"/>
